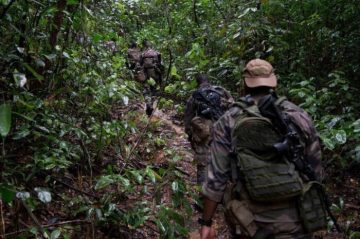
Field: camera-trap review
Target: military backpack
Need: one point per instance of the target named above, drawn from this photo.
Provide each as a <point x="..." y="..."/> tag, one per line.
<point x="150" y="58"/>
<point x="270" y="175"/>
<point x="209" y="102"/>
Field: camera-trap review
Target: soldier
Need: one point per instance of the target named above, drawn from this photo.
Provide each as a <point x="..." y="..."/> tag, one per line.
<point x="134" y="62"/>
<point x="237" y="143"/>
<point x="206" y="105"/>
<point x="153" y="69"/>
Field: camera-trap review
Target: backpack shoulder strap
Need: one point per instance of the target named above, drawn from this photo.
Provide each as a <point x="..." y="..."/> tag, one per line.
<point x="248" y="107"/>
<point x="280" y="100"/>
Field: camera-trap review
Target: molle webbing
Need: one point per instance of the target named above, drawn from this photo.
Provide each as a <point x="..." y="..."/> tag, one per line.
<point x="268" y="176"/>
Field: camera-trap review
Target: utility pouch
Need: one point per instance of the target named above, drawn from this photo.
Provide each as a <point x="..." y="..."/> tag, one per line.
<point x="241" y="217"/>
<point x="312" y="207"/>
<point x="149" y="62"/>
<point x="201" y="130"/>
<point x="140" y="76"/>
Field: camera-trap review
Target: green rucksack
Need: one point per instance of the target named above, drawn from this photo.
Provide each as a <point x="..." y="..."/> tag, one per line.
<point x="268" y="176"/>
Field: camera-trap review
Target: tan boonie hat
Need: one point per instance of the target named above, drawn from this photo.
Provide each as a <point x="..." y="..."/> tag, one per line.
<point x="259" y="73"/>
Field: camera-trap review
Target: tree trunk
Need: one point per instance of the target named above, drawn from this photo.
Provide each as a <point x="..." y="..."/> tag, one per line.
<point x="57" y="22"/>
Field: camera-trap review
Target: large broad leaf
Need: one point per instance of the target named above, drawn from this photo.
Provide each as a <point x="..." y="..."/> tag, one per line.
<point x="5" y="119"/>
<point x="340" y="137"/>
<point x="43" y="195"/>
<point x="7" y="193"/>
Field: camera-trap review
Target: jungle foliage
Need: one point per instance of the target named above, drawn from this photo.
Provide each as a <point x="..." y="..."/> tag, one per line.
<point x="63" y="75"/>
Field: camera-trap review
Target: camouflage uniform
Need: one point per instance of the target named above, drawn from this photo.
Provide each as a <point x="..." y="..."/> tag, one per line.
<point x="152" y="68"/>
<point x="134" y="64"/>
<point x="201" y="149"/>
<point x="280" y="217"/>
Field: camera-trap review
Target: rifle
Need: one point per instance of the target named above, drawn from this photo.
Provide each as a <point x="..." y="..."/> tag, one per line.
<point x="291" y="144"/>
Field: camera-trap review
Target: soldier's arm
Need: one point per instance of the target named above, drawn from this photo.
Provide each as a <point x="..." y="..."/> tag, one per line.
<point x="217" y="173"/>
<point x="219" y="167"/>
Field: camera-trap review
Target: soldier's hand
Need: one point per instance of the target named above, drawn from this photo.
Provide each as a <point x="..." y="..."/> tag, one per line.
<point x="207" y="232"/>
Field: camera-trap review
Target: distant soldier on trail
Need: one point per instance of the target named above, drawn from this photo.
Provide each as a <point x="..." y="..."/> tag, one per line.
<point x="203" y="108"/>
<point x="134" y="62"/>
<point x="152" y="67"/>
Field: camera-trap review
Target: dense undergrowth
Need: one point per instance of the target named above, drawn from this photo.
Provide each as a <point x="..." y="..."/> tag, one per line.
<point x="74" y="141"/>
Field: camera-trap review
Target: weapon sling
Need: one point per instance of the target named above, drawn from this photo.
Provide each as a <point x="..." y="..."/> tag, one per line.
<point x="291" y="144"/>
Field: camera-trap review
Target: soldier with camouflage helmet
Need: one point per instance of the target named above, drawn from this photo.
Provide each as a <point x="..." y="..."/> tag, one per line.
<point x="251" y="217"/>
<point x="198" y="125"/>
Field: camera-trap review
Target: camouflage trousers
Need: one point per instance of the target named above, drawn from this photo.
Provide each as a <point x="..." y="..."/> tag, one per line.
<point x="149" y="94"/>
<point x="201" y="157"/>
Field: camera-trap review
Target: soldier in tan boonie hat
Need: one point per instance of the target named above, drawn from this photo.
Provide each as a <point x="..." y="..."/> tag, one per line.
<point x="247" y="216"/>
<point x="259" y="73"/>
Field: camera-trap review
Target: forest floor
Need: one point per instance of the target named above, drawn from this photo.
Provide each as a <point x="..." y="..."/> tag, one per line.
<point x="182" y="145"/>
<point x="75" y="201"/>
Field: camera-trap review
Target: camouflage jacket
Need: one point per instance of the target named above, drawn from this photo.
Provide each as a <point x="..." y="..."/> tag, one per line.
<point x="191" y="108"/>
<point x="150" y="58"/>
<point x="133" y="56"/>
<point x="219" y="168"/>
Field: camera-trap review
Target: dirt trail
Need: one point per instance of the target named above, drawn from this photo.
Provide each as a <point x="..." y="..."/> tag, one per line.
<point x="180" y="143"/>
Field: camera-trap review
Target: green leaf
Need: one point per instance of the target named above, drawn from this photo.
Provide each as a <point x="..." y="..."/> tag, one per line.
<point x="356" y="126"/>
<point x="5" y="119"/>
<point x="151" y="82"/>
<point x="22" y="133"/>
<point x="72" y="2"/>
<point x="328" y="143"/>
<point x="7" y="194"/>
<point x="137" y="176"/>
<point x="20" y="79"/>
<point x="152" y="175"/>
<point x="33" y="71"/>
<point x="66" y="55"/>
<point x="43" y="195"/>
<point x="357" y="153"/>
<point x="55" y="234"/>
<point x="103" y="182"/>
<point x="5" y="2"/>
<point x="170" y="89"/>
<point x="175" y="186"/>
<point x="173" y="72"/>
<point x="96" y="38"/>
<point x="340" y="137"/>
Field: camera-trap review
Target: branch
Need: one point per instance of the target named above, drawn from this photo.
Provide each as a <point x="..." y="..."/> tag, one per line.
<point x="57" y="21"/>
<point x="87" y="156"/>
<point x="51" y="225"/>
<point x="6" y="9"/>
<point x="195" y="14"/>
<point x="2" y="219"/>
<point x="75" y="189"/>
<point x="31" y="214"/>
<point x="137" y="142"/>
<point x="219" y="9"/>
<point x="169" y="68"/>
